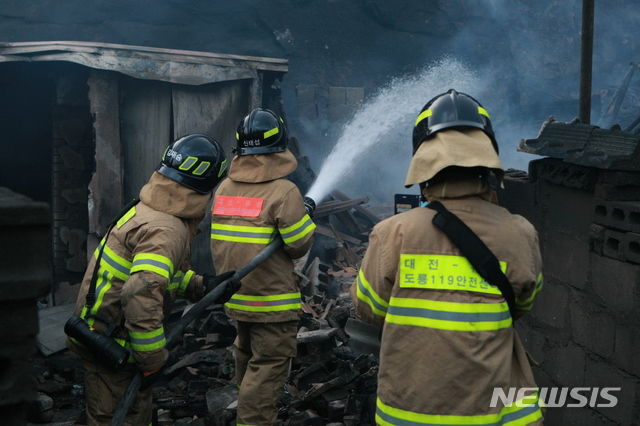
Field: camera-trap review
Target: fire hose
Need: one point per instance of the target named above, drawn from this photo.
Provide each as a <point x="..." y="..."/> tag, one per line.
<point x="176" y="331"/>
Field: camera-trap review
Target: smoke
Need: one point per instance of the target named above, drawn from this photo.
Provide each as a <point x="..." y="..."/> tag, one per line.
<point x="523" y="60"/>
<point x="373" y="151"/>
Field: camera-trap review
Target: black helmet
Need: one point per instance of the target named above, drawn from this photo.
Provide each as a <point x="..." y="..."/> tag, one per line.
<point x="195" y="161"/>
<point x="451" y="109"/>
<point x="261" y="132"/>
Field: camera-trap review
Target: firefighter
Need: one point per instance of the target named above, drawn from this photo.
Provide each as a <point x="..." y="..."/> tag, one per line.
<point x="143" y="268"/>
<point x="255" y="204"/>
<point x="448" y="342"/>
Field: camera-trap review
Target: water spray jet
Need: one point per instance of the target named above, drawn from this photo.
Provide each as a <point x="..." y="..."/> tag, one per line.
<point x="392" y="109"/>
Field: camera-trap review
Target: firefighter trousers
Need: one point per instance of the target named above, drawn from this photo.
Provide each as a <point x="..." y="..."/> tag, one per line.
<point x="104" y="389"/>
<point x="263" y="358"/>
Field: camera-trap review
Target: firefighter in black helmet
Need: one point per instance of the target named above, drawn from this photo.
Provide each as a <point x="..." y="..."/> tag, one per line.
<point x="440" y="318"/>
<point x="195" y="161"/>
<point x="140" y="268"/>
<point x="255" y="204"/>
<point x="261" y="132"/>
<point x="448" y="110"/>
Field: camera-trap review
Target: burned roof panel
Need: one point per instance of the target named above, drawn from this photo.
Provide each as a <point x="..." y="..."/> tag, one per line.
<point x="175" y="66"/>
<point x="586" y="145"/>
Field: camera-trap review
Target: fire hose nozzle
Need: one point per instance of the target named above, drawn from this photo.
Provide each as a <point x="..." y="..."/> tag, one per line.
<point x="310" y="205"/>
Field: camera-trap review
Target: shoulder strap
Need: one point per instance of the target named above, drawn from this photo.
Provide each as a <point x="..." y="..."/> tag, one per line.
<point x="474" y="249"/>
<point x="91" y="294"/>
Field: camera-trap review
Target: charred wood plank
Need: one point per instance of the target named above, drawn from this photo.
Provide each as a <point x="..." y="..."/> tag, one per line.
<point x="324" y="230"/>
<point x="316" y="335"/>
<point x="332" y="207"/>
<point x="360" y="209"/>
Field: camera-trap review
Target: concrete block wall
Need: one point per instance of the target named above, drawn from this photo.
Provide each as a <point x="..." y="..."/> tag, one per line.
<point x="25" y="262"/>
<point x="307" y="101"/>
<point x="583" y="327"/>
<point x="341" y="102"/>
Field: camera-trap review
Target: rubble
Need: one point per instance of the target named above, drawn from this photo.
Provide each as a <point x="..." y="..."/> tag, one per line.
<point x="332" y="381"/>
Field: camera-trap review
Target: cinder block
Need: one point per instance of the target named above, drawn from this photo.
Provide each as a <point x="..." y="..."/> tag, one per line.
<point x="602" y="334"/>
<point x="619" y="178"/>
<point x="580" y="331"/>
<point x="602" y="375"/>
<point x="355" y="95"/>
<point x="627" y="349"/>
<point x="551" y="305"/>
<point x="569" y="210"/>
<point x="582" y="417"/>
<point x="566" y="365"/>
<point x="623" y="246"/>
<point x="308" y="111"/>
<point x="596" y="238"/>
<point x="622" y="215"/>
<point x="558" y="172"/>
<point x="567" y="256"/>
<point x="610" y="192"/>
<point x="614" y="282"/>
<point x="340" y="112"/>
<point x="534" y="342"/>
<point x="306" y="93"/>
<point x="337" y="96"/>
<point x="517" y="196"/>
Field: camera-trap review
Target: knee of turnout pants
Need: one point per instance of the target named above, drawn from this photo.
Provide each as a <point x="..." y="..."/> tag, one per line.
<point x="104" y="388"/>
<point x="272" y="347"/>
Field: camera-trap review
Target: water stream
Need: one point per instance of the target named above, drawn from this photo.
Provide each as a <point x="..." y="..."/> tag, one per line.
<point x="388" y="118"/>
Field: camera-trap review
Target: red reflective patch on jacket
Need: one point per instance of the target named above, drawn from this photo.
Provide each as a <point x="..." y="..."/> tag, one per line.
<point x="238" y="206"/>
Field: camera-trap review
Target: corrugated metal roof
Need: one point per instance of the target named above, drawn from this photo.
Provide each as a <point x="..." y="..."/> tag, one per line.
<point x="151" y="63"/>
<point x="586" y="145"/>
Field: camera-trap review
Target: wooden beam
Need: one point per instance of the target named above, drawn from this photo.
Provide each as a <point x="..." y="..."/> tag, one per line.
<point x="331" y="207"/>
<point x="360" y="209"/>
<point x="323" y="230"/>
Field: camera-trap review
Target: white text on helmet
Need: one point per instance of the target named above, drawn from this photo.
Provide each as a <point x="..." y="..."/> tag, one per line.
<point x="174" y="154"/>
<point x="254" y="142"/>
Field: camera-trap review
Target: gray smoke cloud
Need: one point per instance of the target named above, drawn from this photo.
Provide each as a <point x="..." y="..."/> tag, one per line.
<point x="526" y="61"/>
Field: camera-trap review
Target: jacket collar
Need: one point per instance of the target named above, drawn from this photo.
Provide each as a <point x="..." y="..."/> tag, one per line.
<point x="262" y="167"/>
<point x="168" y="196"/>
<point x="458" y="188"/>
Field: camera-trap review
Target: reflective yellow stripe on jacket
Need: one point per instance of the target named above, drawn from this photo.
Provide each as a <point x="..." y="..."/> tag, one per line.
<point x="242" y="234"/>
<point x="280" y="302"/>
<point x="261" y="235"/>
<point x="157" y="263"/>
<point x="111" y="262"/>
<point x="297" y="231"/>
<point x="515" y="415"/>
<point x="448" y="315"/>
<point x="527" y="304"/>
<point x="148" y="341"/>
<point x="103" y="285"/>
<point x="365" y="292"/>
<point x="180" y="281"/>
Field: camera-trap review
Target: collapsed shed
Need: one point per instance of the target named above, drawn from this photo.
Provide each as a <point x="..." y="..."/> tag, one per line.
<point x="91" y="120"/>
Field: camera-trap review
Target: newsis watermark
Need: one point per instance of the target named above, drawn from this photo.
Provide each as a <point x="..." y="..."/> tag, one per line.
<point x="555" y="397"/>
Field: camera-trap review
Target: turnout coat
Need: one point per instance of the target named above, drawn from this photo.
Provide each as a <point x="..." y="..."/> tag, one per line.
<point x="144" y="268"/>
<point x="251" y="207"/>
<point x="448" y="340"/>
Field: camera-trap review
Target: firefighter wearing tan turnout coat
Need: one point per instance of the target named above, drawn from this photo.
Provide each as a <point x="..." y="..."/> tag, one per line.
<point x="448" y="339"/>
<point x="255" y="204"/>
<point x="144" y="267"/>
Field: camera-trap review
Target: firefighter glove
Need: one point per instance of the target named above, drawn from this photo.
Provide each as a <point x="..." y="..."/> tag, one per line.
<point x="212" y="281"/>
<point x="150" y="377"/>
<point x="310" y="205"/>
